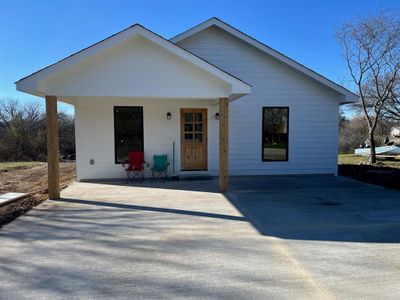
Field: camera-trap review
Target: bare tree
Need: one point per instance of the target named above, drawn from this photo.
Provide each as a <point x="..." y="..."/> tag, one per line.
<point x="23" y="131"/>
<point x="352" y="134"/>
<point x="22" y="138"/>
<point x="392" y="112"/>
<point x="371" y="48"/>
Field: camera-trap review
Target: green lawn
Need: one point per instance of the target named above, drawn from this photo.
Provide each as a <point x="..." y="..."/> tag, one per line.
<point x="8" y="166"/>
<point x="352" y="159"/>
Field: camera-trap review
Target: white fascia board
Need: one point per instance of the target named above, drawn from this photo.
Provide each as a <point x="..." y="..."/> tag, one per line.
<point x="349" y="96"/>
<point x="30" y="84"/>
<point x="31" y="81"/>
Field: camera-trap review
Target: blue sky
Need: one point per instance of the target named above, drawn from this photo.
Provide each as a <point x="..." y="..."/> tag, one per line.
<point x="34" y="34"/>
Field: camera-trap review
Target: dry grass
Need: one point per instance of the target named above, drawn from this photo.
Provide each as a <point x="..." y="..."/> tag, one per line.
<point x="9" y="166"/>
<point x="19" y="177"/>
<point x="352" y="159"/>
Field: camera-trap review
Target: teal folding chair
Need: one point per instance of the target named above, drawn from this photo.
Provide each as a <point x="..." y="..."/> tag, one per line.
<point x="160" y="167"/>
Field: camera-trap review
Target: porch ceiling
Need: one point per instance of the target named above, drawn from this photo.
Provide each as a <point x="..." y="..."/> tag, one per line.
<point x="133" y="63"/>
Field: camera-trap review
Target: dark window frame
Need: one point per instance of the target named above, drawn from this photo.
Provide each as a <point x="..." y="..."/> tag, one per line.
<point x="115" y="128"/>
<point x="263" y="134"/>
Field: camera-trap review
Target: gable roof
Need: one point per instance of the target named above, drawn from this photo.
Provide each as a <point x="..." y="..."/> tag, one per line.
<point x="348" y="95"/>
<point x="30" y="83"/>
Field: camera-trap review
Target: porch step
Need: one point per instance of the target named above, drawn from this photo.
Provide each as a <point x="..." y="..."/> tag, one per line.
<point x="10" y="197"/>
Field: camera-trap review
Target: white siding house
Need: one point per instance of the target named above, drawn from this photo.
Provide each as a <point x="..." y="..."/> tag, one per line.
<point x="313" y="107"/>
<point x="193" y="75"/>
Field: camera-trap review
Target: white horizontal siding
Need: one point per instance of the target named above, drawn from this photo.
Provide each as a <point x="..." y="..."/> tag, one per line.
<point x="313" y="108"/>
<point x="137" y="67"/>
<point x="95" y="133"/>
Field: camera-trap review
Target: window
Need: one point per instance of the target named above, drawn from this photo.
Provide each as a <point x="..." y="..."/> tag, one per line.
<point x="275" y="137"/>
<point x="193" y="126"/>
<point x="128" y="131"/>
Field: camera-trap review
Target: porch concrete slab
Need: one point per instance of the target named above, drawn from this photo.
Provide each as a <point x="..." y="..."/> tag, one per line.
<point x="272" y="237"/>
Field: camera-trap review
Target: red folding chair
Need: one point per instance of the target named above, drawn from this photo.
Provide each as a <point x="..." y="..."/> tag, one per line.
<point x="134" y="167"/>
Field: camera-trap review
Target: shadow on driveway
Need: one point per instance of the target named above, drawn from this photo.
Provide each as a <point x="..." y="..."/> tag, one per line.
<point x="324" y="208"/>
<point x="101" y="242"/>
<point x="153" y="209"/>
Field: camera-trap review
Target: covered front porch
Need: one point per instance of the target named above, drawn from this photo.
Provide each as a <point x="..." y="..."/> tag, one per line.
<point x="187" y="131"/>
<point x="137" y="68"/>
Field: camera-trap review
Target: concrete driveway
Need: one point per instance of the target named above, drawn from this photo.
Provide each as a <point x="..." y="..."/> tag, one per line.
<point x="273" y="237"/>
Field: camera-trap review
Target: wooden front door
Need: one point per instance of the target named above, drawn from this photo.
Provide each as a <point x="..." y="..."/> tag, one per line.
<point x="193" y="139"/>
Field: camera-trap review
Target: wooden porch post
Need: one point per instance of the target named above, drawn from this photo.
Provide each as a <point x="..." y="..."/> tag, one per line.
<point x="223" y="144"/>
<point x="52" y="148"/>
